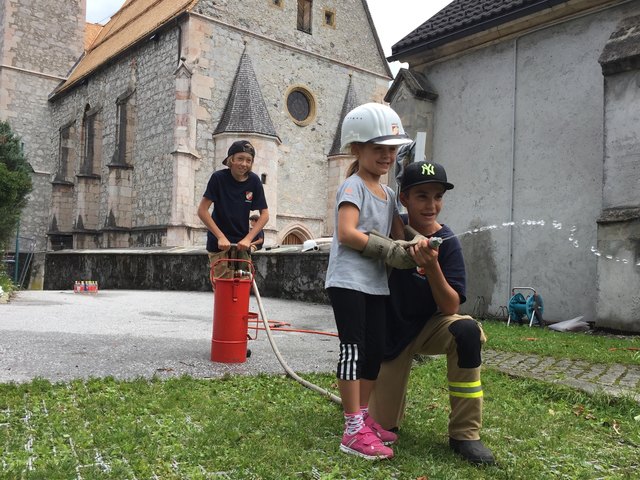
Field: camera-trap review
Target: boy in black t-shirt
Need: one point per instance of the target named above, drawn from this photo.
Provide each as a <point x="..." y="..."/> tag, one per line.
<point x="234" y="193"/>
<point x="422" y="318"/>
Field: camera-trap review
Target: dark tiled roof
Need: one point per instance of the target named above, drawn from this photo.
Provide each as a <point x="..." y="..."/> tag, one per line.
<point x="350" y="102"/>
<point x="246" y="111"/>
<point x="466" y="17"/>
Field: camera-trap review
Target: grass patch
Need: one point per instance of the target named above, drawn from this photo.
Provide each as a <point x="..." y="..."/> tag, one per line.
<point x="587" y="346"/>
<point x="269" y="427"/>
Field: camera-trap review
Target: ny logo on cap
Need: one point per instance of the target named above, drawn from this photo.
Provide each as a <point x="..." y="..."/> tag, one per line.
<point x="428" y="169"/>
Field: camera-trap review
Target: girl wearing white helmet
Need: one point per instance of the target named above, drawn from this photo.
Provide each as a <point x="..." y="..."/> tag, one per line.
<point x="357" y="285"/>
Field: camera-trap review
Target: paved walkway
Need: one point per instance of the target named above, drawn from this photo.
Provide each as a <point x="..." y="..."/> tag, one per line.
<point x="616" y="379"/>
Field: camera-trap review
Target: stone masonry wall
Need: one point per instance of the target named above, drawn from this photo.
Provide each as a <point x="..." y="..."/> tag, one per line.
<point x="28" y="26"/>
<point x="28" y="73"/>
<point x="214" y="50"/>
<point x="141" y="197"/>
<point x="296" y="276"/>
<point x="351" y="41"/>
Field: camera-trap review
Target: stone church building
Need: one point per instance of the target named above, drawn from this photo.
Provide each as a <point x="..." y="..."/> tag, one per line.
<point x="124" y="123"/>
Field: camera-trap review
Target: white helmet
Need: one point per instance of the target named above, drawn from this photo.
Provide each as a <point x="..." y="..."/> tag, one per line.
<point x="373" y="123"/>
<point x="310" y="245"/>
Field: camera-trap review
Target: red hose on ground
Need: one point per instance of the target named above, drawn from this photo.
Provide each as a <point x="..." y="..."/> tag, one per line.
<point x="281" y="327"/>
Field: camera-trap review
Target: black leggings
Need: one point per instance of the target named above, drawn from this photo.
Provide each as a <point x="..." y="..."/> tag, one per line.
<point x="360" y="319"/>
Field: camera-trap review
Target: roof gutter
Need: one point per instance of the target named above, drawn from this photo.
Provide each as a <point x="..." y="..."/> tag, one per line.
<point x="475" y="28"/>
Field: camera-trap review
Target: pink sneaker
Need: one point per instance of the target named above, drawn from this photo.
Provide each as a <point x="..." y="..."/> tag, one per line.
<point x="366" y="444"/>
<point x="385" y="436"/>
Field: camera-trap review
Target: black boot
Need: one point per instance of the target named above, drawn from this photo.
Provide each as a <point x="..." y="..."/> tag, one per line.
<point x="473" y="451"/>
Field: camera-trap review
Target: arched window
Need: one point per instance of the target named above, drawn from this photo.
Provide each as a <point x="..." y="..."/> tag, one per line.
<point x="292" y="239"/>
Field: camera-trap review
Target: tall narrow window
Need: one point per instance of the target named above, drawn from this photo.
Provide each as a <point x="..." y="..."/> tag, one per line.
<point x="92" y="141"/>
<point x="67" y="153"/>
<point x="125" y="130"/>
<point x="304" y="15"/>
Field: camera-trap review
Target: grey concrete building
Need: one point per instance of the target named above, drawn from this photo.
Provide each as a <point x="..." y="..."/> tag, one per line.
<point x="532" y="106"/>
<point x="124" y="134"/>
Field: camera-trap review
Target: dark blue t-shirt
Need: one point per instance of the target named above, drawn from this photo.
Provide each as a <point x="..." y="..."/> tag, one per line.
<point x="410" y="303"/>
<point x="259" y="236"/>
<point x="233" y="202"/>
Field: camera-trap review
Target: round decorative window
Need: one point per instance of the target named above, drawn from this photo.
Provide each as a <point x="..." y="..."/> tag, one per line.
<point x="301" y="106"/>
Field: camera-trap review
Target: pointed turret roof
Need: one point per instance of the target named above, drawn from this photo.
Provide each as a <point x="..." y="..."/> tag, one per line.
<point x="350" y="102"/>
<point x="246" y="111"/>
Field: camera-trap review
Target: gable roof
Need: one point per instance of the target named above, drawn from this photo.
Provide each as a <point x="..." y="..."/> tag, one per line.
<point x="462" y="18"/>
<point x="135" y="21"/>
<point x="245" y="111"/>
<point x="417" y="84"/>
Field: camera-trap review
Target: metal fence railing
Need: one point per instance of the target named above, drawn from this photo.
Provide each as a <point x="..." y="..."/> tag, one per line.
<point x="19" y="262"/>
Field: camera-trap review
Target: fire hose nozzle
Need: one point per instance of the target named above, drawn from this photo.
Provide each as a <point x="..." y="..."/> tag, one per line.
<point x="435" y="242"/>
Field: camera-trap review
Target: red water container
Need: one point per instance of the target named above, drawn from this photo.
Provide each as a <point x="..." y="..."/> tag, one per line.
<point x="231" y="315"/>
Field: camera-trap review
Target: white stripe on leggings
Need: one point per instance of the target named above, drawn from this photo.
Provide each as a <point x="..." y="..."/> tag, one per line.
<point x="348" y="361"/>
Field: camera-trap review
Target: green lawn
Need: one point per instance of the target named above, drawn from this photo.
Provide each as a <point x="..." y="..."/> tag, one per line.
<point x="270" y="427"/>
<point x="591" y="347"/>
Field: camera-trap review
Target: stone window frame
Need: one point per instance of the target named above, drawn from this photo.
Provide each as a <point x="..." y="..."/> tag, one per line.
<point x="91" y="142"/>
<point x="312" y="104"/>
<point x="329" y="18"/>
<point x="67" y="153"/>
<point x="305" y="16"/>
<point x="125" y="130"/>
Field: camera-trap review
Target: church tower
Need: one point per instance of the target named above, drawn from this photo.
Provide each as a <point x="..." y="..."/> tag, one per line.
<point x="40" y="41"/>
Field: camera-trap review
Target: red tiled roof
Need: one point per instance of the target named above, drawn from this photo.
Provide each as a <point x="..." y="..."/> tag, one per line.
<point x="133" y="22"/>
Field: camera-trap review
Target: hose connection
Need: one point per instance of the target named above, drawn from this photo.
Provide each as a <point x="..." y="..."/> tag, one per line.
<point x="435" y="242"/>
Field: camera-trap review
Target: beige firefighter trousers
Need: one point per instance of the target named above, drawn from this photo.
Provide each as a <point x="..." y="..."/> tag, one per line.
<point x="388" y="399"/>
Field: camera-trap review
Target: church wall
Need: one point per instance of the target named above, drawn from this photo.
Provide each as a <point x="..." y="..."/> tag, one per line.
<point x="27" y="26"/>
<point x="302" y="163"/>
<point x="28" y="73"/>
<point x="136" y="204"/>
<point x="147" y="72"/>
<point x="23" y="103"/>
<point x="351" y="41"/>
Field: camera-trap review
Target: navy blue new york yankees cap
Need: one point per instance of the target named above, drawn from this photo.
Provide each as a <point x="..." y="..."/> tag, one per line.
<point x="417" y="173"/>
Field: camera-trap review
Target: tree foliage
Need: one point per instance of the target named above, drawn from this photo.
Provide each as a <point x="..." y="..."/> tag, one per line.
<point x="15" y="182"/>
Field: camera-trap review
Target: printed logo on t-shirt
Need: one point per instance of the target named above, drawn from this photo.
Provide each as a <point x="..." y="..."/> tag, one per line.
<point x="420" y="273"/>
<point x="248" y="196"/>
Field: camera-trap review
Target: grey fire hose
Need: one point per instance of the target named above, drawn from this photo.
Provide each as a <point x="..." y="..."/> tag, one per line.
<point x="290" y="372"/>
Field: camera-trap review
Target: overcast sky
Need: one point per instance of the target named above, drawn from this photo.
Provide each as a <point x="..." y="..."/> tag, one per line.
<point x="393" y="18"/>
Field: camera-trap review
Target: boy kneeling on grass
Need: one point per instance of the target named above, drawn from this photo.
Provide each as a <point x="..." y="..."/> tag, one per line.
<point x="422" y="318"/>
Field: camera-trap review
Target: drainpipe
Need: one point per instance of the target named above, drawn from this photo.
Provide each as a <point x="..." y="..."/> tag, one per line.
<point x="179" y="43"/>
<point x="16" y="262"/>
<point x="513" y="163"/>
